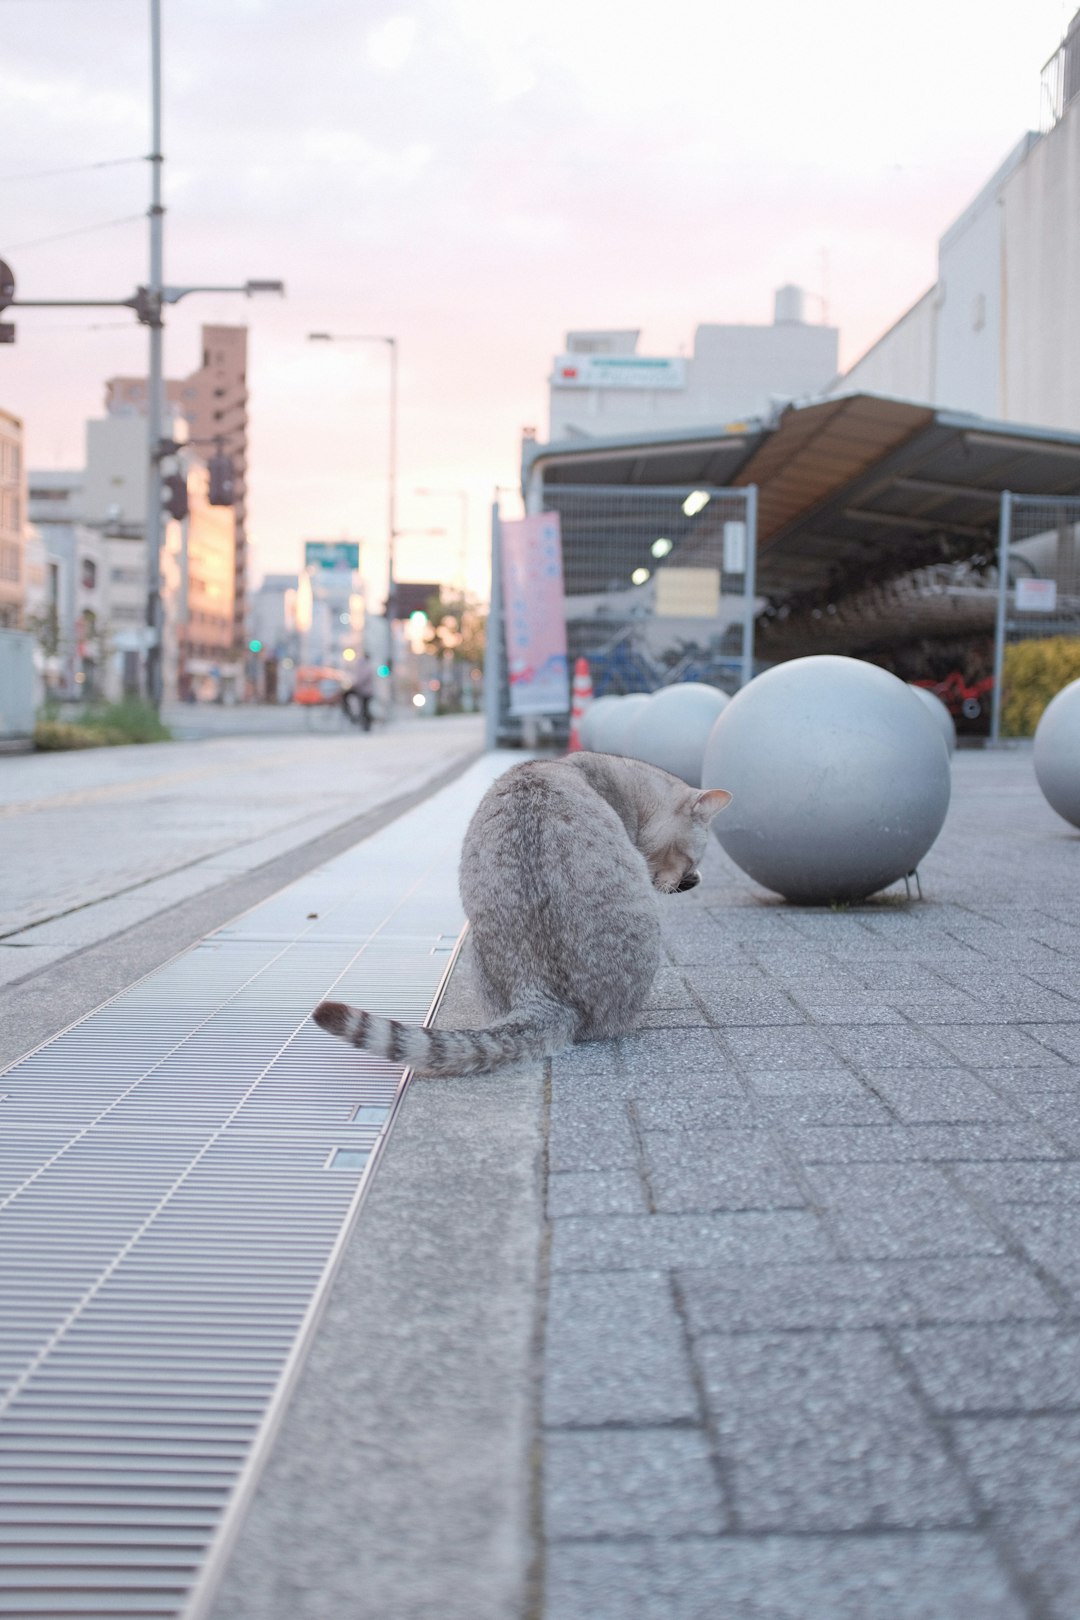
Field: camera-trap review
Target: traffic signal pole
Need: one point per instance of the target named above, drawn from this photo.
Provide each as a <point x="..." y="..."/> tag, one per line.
<point x="155" y="403"/>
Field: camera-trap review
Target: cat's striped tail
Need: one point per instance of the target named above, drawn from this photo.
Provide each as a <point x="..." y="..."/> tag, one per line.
<point x="525" y="1033"/>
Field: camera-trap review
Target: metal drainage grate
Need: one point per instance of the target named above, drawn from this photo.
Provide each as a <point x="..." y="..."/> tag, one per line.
<point x="178" y="1173"/>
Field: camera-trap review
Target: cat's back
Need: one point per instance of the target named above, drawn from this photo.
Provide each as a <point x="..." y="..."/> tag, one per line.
<point x="543" y="826"/>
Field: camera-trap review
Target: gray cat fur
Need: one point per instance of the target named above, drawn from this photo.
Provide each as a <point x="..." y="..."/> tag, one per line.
<point x="560" y="869"/>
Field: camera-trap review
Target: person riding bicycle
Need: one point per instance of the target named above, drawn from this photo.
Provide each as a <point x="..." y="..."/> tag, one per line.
<point x="356" y="699"/>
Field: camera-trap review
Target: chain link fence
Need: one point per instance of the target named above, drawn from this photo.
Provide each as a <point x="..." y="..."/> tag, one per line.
<point x="1038" y="577"/>
<point x="659" y="587"/>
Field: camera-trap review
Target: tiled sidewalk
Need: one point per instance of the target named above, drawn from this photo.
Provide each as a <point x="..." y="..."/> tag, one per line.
<point x="812" y="1338"/>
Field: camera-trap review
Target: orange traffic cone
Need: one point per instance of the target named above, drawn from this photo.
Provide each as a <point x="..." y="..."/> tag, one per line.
<point x="583" y="696"/>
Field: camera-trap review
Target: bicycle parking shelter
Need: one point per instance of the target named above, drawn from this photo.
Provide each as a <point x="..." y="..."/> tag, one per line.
<point x="878" y="531"/>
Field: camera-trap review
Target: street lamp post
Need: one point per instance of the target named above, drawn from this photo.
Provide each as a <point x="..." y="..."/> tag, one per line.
<point x="391" y="517"/>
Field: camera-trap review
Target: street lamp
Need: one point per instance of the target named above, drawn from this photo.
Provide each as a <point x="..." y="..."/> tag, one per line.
<point x="461" y="495"/>
<point x="391" y="523"/>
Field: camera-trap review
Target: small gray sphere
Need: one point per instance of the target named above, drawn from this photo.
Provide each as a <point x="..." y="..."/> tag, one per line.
<point x="1057" y="753"/>
<point x="590" y="720"/>
<point x="611" y="734"/>
<point x="840" y="779"/>
<point x="672" y="729"/>
<point x="940" y="713"/>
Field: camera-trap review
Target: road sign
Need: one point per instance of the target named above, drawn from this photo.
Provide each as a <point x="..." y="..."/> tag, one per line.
<point x="332" y="554"/>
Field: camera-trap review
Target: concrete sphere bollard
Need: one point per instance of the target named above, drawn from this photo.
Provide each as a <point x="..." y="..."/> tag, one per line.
<point x="1057" y="753"/>
<point x="590" y="720"/>
<point x="672" y="729"/>
<point x="940" y="713"/>
<point x="612" y="731"/>
<point x="840" y="779"/>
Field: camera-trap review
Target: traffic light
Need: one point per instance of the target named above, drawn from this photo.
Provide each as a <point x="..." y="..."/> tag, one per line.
<point x="222" y="490"/>
<point x="174" y="492"/>
<point x="255" y="645"/>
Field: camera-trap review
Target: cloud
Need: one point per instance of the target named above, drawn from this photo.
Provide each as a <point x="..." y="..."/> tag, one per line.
<point x="391" y="44"/>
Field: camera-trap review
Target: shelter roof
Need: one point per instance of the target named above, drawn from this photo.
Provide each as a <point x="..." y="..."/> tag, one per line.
<point x="852" y="489"/>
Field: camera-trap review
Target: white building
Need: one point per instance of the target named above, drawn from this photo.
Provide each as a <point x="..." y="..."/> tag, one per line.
<point x="600" y="386"/>
<point x="999" y="332"/>
<point x="73" y="608"/>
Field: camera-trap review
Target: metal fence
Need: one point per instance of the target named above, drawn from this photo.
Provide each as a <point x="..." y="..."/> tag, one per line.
<point x="659" y="588"/>
<point x="1038" y="576"/>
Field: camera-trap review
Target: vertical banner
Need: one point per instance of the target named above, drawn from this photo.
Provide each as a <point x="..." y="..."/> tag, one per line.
<point x="535" y="615"/>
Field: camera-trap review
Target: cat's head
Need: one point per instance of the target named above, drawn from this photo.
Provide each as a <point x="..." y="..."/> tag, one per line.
<point x="674" y="836"/>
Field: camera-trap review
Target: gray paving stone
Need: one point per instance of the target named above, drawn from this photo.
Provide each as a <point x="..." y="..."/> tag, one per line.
<point x="899" y="1210"/>
<point x="683" y="1054"/>
<point x="1023" y="1001"/>
<point x="946" y="1008"/>
<point x="596" y="1192"/>
<point x="996" y="1047"/>
<point x="1061" y="1038"/>
<point x="798" y="1047"/>
<point x="712" y="1170"/>
<point x="1051" y="1235"/>
<point x="629" y="1482"/>
<point x="996" y="1366"/>
<point x="886" y="1047"/>
<point x="848" y="1008"/>
<point x="972" y="1288"/>
<point x="817" y="1294"/>
<point x="815" y="1097"/>
<point x="1020" y="1182"/>
<point x="630" y="1242"/>
<point x="669" y="990"/>
<point x="935" y="1575"/>
<point x="591" y="1139"/>
<point x="743" y="997"/>
<point x="944" y="1095"/>
<point x="1058" y="1112"/>
<point x="828" y="1144"/>
<point x="820" y="1432"/>
<point x="670" y="1018"/>
<point x="615" y="1352"/>
<point x="1027" y="1470"/>
<point x="862" y="1293"/>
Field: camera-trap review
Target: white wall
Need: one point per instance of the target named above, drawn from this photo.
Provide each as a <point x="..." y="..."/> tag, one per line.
<point x="999" y="333"/>
<point x="900" y="364"/>
<point x="1041" y="213"/>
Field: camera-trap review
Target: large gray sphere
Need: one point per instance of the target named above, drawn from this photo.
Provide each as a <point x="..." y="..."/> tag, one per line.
<point x="611" y="732"/>
<point x="1057" y="753"/>
<point x="672" y="729"/>
<point x="840" y="779"/>
<point x="940" y="713"/>
<point x="590" y="720"/>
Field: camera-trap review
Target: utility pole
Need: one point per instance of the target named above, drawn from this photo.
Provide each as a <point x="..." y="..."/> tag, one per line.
<point x="155" y="403"/>
<point x="148" y="304"/>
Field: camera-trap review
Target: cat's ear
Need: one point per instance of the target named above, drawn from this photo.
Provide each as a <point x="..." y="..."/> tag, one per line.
<point x="710" y="803"/>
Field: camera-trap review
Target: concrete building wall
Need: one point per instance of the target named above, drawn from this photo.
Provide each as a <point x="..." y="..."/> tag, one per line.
<point x="12" y="522"/>
<point x="901" y="364"/>
<point x="1041" y="255"/>
<point x="735" y="371"/>
<point x="212" y="401"/>
<point x="999" y="333"/>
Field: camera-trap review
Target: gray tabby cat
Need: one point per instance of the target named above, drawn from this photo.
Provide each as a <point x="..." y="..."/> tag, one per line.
<point x="559" y="873"/>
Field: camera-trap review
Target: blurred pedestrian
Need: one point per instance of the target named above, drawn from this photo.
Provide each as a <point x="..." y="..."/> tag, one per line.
<point x="356" y="699"/>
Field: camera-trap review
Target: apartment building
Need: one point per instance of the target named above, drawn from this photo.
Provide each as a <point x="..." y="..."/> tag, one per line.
<point x="212" y="401"/>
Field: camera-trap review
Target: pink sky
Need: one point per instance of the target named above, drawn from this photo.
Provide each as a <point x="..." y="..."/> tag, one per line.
<point x="477" y="178"/>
